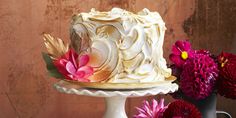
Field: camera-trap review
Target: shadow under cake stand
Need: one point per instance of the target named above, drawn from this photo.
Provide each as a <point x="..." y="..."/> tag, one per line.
<point x="115" y="99"/>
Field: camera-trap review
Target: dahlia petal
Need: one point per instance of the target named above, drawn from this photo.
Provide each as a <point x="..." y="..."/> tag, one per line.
<point x="140" y="110"/>
<point x="142" y="116"/>
<point x="80" y="74"/>
<point x="87" y="70"/>
<point x="161" y="103"/>
<point x="73" y="58"/>
<point x="67" y="55"/>
<point x="147" y="104"/>
<point x="183" y="45"/>
<point x="147" y="108"/>
<point x="176" y="59"/>
<point x="61" y="67"/>
<point x="180" y="45"/>
<point x="72" y="52"/>
<point x="70" y="77"/>
<point x="190" y="54"/>
<point x="176" y="50"/>
<point x="154" y="105"/>
<point x="63" y="62"/>
<point x="70" y="68"/>
<point x="186" y="45"/>
<point x="83" y="60"/>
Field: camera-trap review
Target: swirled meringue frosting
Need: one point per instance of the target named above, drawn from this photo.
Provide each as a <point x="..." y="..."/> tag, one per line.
<point x="124" y="47"/>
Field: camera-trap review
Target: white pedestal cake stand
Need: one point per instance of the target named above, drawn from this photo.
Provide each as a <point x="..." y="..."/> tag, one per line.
<point x="115" y="99"/>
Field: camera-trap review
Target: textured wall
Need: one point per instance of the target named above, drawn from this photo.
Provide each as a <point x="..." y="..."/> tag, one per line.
<point x="25" y="89"/>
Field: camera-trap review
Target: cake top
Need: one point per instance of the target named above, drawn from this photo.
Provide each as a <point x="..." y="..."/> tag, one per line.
<point x="128" y="19"/>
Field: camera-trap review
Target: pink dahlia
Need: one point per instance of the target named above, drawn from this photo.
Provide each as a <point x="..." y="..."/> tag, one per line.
<point x="181" y="109"/>
<point x="153" y="110"/>
<point x="181" y="51"/>
<point x="227" y="81"/>
<point x="73" y="68"/>
<point x="198" y="76"/>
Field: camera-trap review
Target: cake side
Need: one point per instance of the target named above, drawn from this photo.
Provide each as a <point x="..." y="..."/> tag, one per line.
<point x="123" y="47"/>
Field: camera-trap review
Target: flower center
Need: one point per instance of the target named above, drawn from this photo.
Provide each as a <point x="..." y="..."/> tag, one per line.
<point x="184" y="55"/>
<point x="224" y="62"/>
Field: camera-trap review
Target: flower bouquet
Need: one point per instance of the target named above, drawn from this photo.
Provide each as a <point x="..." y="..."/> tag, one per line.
<point x="201" y="75"/>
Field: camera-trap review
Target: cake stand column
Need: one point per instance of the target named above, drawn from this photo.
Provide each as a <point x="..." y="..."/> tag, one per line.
<point x="115" y="107"/>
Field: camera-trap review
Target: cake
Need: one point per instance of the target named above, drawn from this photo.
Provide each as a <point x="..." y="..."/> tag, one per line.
<point x="117" y="46"/>
<point x="124" y="47"/>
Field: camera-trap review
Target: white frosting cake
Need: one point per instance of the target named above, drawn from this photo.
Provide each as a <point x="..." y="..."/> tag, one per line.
<point x="124" y="47"/>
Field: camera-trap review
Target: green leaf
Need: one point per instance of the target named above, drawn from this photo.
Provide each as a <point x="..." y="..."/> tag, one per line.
<point x="52" y="70"/>
<point x="48" y="61"/>
<point x="55" y="74"/>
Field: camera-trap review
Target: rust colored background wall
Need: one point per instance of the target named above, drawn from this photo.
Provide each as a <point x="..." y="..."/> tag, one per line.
<point x="25" y="89"/>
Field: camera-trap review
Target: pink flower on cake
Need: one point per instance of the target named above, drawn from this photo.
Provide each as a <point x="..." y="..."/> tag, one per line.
<point x="181" y="51"/>
<point x="153" y="110"/>
<point x="72" y="69"/>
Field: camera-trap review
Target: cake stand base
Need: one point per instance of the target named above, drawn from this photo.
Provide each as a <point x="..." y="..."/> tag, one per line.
<point x="115" y="107"/>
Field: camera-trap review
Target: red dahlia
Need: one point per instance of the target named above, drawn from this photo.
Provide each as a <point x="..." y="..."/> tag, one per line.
<point x="181" y="109"/>
<point x="227" y="80"/>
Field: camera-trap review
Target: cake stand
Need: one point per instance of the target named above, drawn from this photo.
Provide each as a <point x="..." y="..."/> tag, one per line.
<point x="115" y="99"/>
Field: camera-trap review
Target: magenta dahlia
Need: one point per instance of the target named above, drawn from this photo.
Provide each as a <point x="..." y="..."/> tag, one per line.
<point x="153" y="110"/>
<point x="227" y="81"/>
<point x="181" y="109"/>
<point x="181" y="51"/>
<point x="198" y="76"/>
